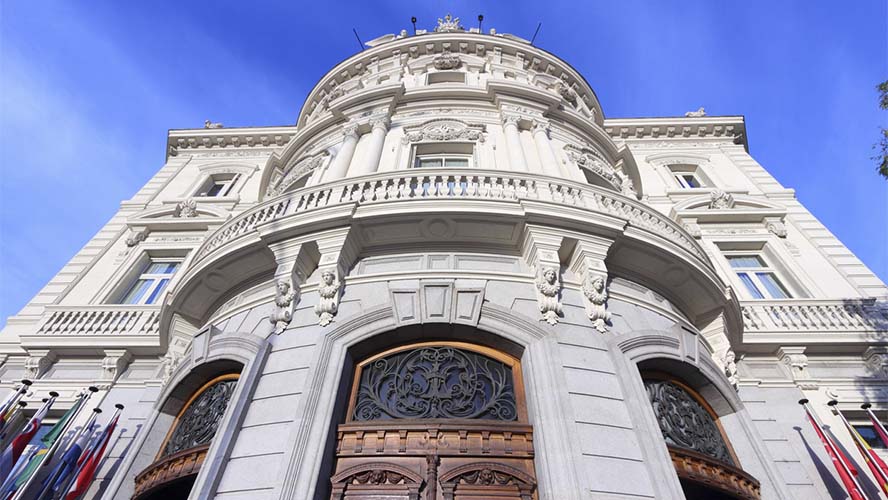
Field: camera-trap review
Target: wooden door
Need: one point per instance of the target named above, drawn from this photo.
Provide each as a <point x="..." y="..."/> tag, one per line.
<point x="435" y="421"/>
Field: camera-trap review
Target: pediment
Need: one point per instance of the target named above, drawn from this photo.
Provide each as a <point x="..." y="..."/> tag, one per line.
<point x="187" y="214"/>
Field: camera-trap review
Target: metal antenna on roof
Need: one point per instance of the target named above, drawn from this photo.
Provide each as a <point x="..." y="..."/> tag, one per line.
<point x="360" y="43"/>
<point x="413" y="20"/>
<point x="480" y="19"/>
<point x="535" y="33"/>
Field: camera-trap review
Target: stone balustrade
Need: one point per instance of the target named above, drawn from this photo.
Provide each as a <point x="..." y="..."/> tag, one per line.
<point x="100" y="320"/>
<point x="803" y="315"/>
<point x="441" y="184"/>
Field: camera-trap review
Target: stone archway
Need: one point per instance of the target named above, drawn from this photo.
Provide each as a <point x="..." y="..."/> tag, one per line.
<point x="435" y="420"/>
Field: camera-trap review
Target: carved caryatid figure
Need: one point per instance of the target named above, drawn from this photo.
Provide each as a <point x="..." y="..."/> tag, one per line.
<point x="283" y="301"/>
<point x="328" y="290"/>
<point x="548" y="294"/>
<point x="595" y="290"/>
<point x="730" y="367"/>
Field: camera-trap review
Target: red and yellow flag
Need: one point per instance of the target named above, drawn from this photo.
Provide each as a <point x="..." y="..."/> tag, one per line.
<point x="840" y="462"/>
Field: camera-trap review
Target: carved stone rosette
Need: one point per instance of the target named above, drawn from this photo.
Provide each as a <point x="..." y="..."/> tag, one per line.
<point x="595" y="291"/>
<point x="328" y="292"/>
<point x="548" y="292"/>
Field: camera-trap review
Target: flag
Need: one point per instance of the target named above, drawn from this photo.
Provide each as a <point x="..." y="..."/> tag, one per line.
<point x="872" y="460"/>
<point x="91" y="463"/>
<point x="840" y="462"/>
<point x="880" y="430"/>
<point x="40" y="453"/>
<point x="66" y="468"/>
<point x="15" y="449"/>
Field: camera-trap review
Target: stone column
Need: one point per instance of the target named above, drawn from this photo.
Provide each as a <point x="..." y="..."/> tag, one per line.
<point x="544" y="149"/>
<point x="513" y="143"/>
<point x="343" y="159"/>
<point x="370" y="162"/>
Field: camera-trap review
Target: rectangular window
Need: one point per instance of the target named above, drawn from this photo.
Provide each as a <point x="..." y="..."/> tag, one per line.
<point x="759" y="279"/>
<point x="688" y="176"/>
<point x="217" y="185"/>
<point x="452" y="160"/>
<point x="868" y="433"/>
<point x="151" y="282"/>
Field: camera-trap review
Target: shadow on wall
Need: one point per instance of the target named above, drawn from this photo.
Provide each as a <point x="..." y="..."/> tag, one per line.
<point x="870" y="489"/>
<point x="112" y="471"/>
<point x="835" y="489"/>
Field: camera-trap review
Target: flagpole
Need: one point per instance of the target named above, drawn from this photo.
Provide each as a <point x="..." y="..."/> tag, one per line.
<point x="49" y="454"/>
<point x="117" y="409"/>
<point x="832" y="446"/>
<point x="13" y="400"/>
<point x="857" y="439"/>
<point x="876" y="422"/>
<point x="51" y="479"/>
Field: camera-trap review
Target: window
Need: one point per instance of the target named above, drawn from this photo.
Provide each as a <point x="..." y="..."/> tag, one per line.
<point x="868" y="433"/>
<point x="151" y="282"/>
<point x="688" y="176"/>
<point x="453" y="160"/>
<point x="217" y="185"/>
<point x="759" y="279"/>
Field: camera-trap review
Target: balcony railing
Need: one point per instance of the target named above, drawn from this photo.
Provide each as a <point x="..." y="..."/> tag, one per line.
<point x="435" y="184"/>
<point x="852" y="315"/>
<point x="101" y="320"/>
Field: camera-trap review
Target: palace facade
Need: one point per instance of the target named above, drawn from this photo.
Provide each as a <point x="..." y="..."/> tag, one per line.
<point x="456" y="278"/>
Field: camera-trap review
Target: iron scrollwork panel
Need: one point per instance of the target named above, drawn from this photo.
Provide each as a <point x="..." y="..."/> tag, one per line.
<point x="436" y="382"/>
<point x="198" y="424"/>
<point x="685" y="423"/>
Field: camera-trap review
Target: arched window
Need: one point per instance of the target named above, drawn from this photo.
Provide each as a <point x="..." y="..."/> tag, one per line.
<point x="184" y="449"/>
<point x="703" y="458"/>
<point x="432" y="417"/>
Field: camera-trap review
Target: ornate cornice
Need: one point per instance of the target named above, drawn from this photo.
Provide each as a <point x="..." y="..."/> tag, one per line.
<point x="231" y="139"/>
<point x="732" y="128"/>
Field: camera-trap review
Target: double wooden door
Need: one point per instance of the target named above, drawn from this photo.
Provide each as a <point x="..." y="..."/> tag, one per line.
<point x="435" y="421"/>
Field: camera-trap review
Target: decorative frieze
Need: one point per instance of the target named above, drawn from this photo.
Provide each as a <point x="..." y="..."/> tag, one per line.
<point x="444" y="130"/>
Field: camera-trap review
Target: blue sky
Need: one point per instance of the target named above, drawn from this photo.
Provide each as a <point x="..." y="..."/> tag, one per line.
<point x="88" y="91"/>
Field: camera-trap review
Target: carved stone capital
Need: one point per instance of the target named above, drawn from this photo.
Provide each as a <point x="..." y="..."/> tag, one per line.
<point x="541" y="127"/>
<point x="380" y="122"/>
<point x="115" y="363"/>
<point x="350" y="129"/>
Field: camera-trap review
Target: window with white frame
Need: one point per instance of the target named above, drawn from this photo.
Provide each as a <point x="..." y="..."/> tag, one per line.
<point x="443" y="155"/>
<point x="217" y="185"/>
<point x="761" y="280"/>
<point x="688" y="176"/>
<point x="147" y="287"/>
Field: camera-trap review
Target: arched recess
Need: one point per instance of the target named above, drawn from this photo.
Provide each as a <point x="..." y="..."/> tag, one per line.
<point x="435" y="407"/>
<point x="309" y="464"/>
<point x="211" y="357"/>
<point x="681" y="357"/>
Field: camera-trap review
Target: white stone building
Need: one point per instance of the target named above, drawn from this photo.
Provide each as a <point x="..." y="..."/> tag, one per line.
<point x="455" y="275"/>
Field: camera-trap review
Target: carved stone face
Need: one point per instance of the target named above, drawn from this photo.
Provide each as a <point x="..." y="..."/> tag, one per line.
<point x="327" y="277"/>
<point x="598" y="284"/>
<point x="283" y="287"/>
<point x="549" y="275"/>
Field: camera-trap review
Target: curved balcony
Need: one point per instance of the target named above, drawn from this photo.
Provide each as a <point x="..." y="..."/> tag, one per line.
<point x="648" y="245"/>
<point x="446" y="184"/>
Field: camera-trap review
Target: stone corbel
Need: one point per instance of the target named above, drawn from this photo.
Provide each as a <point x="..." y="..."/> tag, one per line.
<point x="540" y="251"/>
<point x="38" y="361"/>
<point x="690" y="225"/>
<point x="587" y="262"/>
<point x="115" y="363"/>
<point x="136" y="236"/>
<point x="795" y="359"/>
<point x="295" y="261"/>
<point x="337" y="253"/>
<point x="776" y="226"/>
